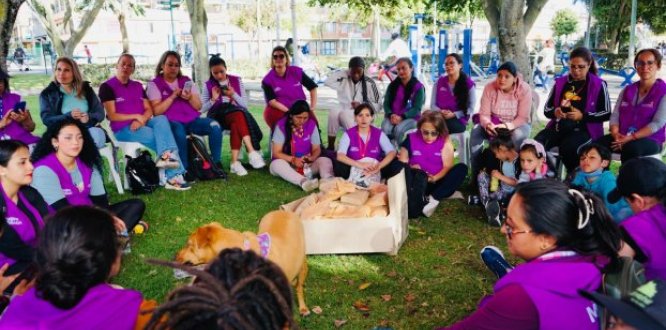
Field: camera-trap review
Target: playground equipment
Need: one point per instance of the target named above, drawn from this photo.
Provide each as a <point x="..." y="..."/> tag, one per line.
<point x="452" y="36"/>
<point x="627" y="73"/>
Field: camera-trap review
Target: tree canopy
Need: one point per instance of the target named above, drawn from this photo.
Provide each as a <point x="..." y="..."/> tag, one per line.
<point x="564" y="23"/>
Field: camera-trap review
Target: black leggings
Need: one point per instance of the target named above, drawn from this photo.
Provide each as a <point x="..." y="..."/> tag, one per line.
<point x="342" y="170"/>
<point x="454" y="125"/>
<point x="634" y="149"/>
<point x="568" y="143"/>
<point x="130" y="211"/>
<point x="447" y="185"/>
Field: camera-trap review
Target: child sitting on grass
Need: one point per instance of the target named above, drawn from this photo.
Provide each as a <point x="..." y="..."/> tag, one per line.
<point x="593" y="175"/>
<point x="533" y="162"/>
<point x="497" y="183"/>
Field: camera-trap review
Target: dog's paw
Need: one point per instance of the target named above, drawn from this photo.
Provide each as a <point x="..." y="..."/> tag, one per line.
<point x="304" y="311"/>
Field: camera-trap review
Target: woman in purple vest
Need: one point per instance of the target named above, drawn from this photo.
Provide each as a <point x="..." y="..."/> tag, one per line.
<point x="642" y="183"/>
<point x="132" y="120"/>
<point x="177" y="97"/>
<point x="24" y="208"/>
<point x="77" y="253"/>
<point x="224" y="100"/>
<point x="283" y="85"/>
<point x="366" y="147"/>
<point x="68" y="172"/>
<point x="567" y="239"/>
<point x="69" y="96"/>
<point x="430" y="150"/>
<point x="638" y="122"/>
<point x="297" y="149"/>
<point x="403" y="102"/>
<point x="15" y="124"/>
<point x="578" y="106"/>
<point x="454" y="95"/>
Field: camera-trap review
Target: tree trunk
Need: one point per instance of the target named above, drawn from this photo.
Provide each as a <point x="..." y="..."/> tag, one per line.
<point x="258" y="19"/>
<point x="199" y="26"/>
<point x="8" y="11"/>
<point x="492" y="11"/>
<point x="122" y="17"/>
<point x="376" y="33"/>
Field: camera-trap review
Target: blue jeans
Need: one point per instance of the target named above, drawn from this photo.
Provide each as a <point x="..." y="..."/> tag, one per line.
<point x="199" y="126"/>
<point x="156" y="135"/>
<point x="98" y="136"/>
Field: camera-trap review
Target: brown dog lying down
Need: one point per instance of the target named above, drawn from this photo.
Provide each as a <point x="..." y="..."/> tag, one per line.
<point x="280" y="239"/>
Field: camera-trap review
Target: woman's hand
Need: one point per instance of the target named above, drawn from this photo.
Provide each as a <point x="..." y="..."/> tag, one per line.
<point x="574" y="114"/>
<point x="371" y="169"/>
<point x="229" y="92"/>
<point x="496" y="174"/>
<point x="559" y="114"/>
<point x="431" y="179"/>
<point x="186" y="95"/>
<point x="416" y="166"/>
<point x="395" y="119"/>
<point x="176" y="93"/>
<point x="297" y="162"/>
<point x="119" y="224"/>
<point x="76" y="114"/>
<point x="620" y="141"/>
<point x="84" y="118"/>
<point x="5" y="281"/>
<point x="215" y="93"/>
<point x="490" y="129"/>
<point x="19" y="116"/>
<point x="6" y="120"/>
<point x="448" y="114"/>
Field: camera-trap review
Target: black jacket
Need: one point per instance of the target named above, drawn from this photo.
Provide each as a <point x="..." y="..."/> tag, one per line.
<point x="50" y="103"/>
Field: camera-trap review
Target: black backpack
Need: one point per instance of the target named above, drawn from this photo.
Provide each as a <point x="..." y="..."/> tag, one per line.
<point x="142" y="173"/>
<point x="201" y="164"/>
<point x="619" y="283"/>
<point x="417" y="182"/>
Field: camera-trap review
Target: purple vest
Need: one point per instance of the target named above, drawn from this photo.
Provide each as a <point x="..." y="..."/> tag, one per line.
<point x="634" y="117"/>
<point x="359" y="150"/>
<point x="300" y="146"/>
<point x="287" y="89"/>
<point x="72" y="193"/>
<point x="14" y="130"/>
<point x="234" y="82"/>
<point x="21" y="223"/>
<point x="398" y="106"/>
<point x="103" y="307"/>
<point x="594" y="83"/>
<point x="180" y="110"/>
<point x="129" y="100"/>
<point x="445" y="98"/>
<point x="427" y="155"/>
<point x="648" y="230"/>
<point x="553" y="286"/>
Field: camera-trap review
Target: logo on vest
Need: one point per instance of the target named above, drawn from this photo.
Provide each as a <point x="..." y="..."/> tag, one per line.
<point x="277" y="89"/>
<point x="649" y="105"/>
<point x="298" y="84"/>
<point x="67" y="192"/>
<point x="13" y="221"/>
<point x="120" y="99"/>
<point x="416" y="153"/>
<point x="354" y="149"/>
<point x="165" y="93"/>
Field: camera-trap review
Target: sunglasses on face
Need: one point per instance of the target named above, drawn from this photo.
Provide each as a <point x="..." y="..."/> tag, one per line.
<point x="278" y="56"/>
<point x="644" y="63"/>
<point x="429" y="133"/>
<point x="578" y="66"/>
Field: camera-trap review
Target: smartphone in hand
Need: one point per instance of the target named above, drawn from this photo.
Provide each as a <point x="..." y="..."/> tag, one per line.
<point x="19" y="106"/>
<point x="188" y="86"/>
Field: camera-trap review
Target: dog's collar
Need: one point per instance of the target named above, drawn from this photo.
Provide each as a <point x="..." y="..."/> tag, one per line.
<point x="264" y="241"/>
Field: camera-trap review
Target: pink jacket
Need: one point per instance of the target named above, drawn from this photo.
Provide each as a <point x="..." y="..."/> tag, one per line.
<point x="512" y="108"/>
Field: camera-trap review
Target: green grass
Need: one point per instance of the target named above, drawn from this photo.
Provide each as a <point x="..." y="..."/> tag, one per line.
<point x="436" y="279"/>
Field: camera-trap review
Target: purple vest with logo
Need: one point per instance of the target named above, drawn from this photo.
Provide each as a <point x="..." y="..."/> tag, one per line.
<point x="14" y="130"/>
<point x="427" y="155"/>
<point x="634" y="117"/>
<point x="103" y="307"/>
<point x="648" y="230"/>
<point x="21" y="223"/>
<point x="300" y="146"/>
<point x="234" y="82"/>
<point x="445" y="98"/>
<point x="398" y="106"/>
<point x="72" y="193"/>
<point x="129" y="100"/>
<point x="359" y="150"/>
<point x="553" y="286"/>
<point x="594" y="84"/>
<point x="287" y="89"/>
<point x="180" y="110"/>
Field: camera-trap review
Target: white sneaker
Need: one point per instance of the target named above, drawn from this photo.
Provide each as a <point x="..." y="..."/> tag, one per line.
<point x="238" y="169"/>
<point x="256" y="160"/>
<point x="310" y="185"/>
<point x="430" y="208"/>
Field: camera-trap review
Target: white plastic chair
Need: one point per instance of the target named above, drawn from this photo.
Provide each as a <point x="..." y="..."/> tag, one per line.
<point x="129" y="149"/>
<point x="464" y="148"/>
<point x="107" y="153"/>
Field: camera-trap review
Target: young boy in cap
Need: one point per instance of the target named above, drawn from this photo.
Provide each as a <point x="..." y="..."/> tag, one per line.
<point x="642" y="182"/>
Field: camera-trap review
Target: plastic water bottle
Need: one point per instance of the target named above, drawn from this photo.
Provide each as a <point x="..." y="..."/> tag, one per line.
<point x="307" y="171"/>
<point x="494" y="184"/>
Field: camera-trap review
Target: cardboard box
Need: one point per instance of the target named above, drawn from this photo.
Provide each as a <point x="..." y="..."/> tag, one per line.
<point x="363" y="235"/>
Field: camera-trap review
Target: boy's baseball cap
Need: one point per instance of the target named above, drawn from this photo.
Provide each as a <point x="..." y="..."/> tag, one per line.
<point x="643" y="176"/>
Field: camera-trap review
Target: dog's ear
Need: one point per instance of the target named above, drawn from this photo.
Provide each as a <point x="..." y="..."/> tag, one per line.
<point x="204" y="235"/>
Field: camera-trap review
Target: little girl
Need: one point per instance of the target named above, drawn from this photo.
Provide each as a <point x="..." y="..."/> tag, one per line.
<point x="533" y="162"/>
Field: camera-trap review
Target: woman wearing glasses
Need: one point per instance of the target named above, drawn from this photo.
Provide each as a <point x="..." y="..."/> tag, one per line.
<point x="174" y="95"/>
<point x="430" y="150"/>
<point x="578" y="106"/>
<point x="637" y="122"/>
<point x="283" y="85"/>
<point x="567" y="239"/>
<point x="454" y="95"/>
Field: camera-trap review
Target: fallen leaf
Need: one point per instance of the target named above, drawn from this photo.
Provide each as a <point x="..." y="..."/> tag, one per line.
<point x="179" y="219"/>
<point x="153" y="272"/>
<point x="339" y="323"/>
<point x="410" y="297"/>
<point x="386" y="297"/>
<point x="384" y="323"/>
<point x="317" y="310"/>
<point x="425" y="304"/>
<point x="392" y="273"/>
<point x="350" y="282"/>
<point x="361" y="306"/>
<point x="364" y="286"/>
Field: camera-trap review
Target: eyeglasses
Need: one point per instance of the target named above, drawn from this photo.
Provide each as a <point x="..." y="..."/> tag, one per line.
<point x="173" y="65"/>
<point x="510" y="232"/>
<point x="644" y="63"/>
<point x="429" y="133"/>
<point x="578" y="66"/>
<point x="278" y="56"/>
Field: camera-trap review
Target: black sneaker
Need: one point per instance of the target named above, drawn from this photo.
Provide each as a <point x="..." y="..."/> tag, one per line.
<point x="189" y="177"/>
<point x="493" y="212"/>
